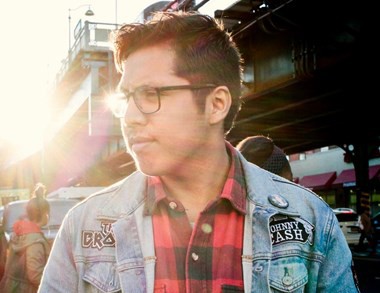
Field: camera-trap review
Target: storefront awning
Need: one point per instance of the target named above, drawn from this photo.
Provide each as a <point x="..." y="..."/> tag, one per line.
<point x="373" y="171"/>
<point x="318" y="181"/>
<point x="348" y="178"/>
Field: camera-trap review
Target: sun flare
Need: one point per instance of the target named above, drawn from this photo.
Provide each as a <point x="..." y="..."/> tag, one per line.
<point x="23" y="122"/>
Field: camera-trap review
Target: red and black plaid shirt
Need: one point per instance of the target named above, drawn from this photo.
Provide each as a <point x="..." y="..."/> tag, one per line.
<point x="207" y="257"/>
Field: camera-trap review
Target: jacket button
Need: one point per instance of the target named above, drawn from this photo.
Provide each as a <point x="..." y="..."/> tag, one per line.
<point x="278" y="201"/>
<point x="287" y="280"/>
<point x="172" y="205"/>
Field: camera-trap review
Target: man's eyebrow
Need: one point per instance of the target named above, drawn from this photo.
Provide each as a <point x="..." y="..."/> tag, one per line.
<point x="120" y="88"/>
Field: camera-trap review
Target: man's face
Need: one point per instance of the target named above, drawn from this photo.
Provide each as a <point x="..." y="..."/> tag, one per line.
<point x="162" y="143"/>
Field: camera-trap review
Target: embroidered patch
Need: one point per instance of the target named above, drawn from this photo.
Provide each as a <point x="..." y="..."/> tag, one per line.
<point x="287" y="229"/>
<point x="99" y="239"/>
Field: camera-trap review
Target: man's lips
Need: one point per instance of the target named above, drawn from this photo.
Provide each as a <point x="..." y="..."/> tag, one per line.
<point x="138" y="143"/>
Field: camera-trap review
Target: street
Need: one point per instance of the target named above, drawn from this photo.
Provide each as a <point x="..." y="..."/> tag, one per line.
<point x="368" y="270"/>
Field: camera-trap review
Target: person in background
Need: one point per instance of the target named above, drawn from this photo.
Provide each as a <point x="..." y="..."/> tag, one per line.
<point x="366" y="231"/>
<point x="196" y="216"/>
<point x="262" y="151"/>
<point x="3" y="251"/>
<point x="39" y="191"/>
<point x="28" y="248"/>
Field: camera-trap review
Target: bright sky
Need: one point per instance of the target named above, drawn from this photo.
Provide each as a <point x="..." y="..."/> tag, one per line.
<point x="34" y="41"/>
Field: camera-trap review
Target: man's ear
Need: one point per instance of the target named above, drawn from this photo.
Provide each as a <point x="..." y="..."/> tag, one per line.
<point x="219" y="103"/>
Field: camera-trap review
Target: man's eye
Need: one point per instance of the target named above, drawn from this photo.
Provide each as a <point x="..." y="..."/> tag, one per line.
<point x="147" y="93"/>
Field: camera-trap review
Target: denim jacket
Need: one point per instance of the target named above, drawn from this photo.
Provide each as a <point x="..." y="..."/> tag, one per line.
<point x="292" y="241"/>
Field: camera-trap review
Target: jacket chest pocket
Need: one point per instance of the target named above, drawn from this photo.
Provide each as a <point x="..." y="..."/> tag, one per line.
<point x="288" y="275"/>
<point x="103" y="276"/>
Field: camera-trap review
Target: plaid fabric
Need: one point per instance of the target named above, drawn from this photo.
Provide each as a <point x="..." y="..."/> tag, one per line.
<point x="207" y="257"/>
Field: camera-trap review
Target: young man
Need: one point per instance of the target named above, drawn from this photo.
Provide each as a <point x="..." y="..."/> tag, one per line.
<point x="196" y="216"/>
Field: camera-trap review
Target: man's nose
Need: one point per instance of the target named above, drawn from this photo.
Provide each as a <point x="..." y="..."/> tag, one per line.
<point x="132" y="114"/>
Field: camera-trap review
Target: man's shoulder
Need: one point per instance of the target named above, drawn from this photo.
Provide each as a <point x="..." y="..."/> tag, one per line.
<point x="122" y="193"/>
<point x="129" y="182"/>
<point x="265" y="188"/>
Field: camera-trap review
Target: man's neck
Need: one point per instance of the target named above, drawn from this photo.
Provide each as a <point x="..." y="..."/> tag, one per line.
<point x="201" y="182"/>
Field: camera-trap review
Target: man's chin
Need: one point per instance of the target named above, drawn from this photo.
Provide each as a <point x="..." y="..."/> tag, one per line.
<point x="145" y="168"/>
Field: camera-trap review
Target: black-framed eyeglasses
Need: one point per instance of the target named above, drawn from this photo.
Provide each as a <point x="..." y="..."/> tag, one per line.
<point x="147" y="99"/>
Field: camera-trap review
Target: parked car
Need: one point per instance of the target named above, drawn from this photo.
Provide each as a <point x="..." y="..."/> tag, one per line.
<point x="344" y="210"/>
<point x="58" y="209"/>
<point x="349" y="223"/>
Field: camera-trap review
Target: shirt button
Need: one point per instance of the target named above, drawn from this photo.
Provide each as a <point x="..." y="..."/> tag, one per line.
<point x="194" y="256"/>
<point x="172" y="205"/>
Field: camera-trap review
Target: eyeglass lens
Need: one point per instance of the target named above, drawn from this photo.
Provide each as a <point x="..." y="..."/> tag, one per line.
<point x="146" y="99"/>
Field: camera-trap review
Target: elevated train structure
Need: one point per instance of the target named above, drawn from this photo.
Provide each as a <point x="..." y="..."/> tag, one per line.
<point x="304" y="85"/>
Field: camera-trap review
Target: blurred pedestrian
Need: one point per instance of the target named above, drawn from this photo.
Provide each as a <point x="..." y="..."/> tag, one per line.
<point x="28" y="248"/>
<point x="39" y="190"/>
<point x="3" y="251"/>
<point x="366" y="231"/>
<point x="262" y="151"/>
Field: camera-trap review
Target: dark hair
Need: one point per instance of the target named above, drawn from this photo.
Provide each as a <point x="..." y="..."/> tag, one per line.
<point x="39" y="190"/>
<point x="262" y="151"/>
<point x="205" y="52"/>
<point x="37" y="205"/>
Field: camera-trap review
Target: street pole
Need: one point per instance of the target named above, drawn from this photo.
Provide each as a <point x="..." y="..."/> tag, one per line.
<point x="89" y="12"/>
<point x="69" y="30"/>
<point x="116" y="13"/>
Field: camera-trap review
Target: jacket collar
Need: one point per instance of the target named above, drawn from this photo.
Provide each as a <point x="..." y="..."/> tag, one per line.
<point x="125" y="196"/>
<point x="263" y="187"/>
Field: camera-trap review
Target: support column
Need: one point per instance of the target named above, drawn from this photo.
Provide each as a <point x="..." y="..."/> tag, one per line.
<point x="360" y="159"/>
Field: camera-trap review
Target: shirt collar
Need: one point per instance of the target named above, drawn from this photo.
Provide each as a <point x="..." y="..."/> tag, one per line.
<point x="234" y="189"/>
